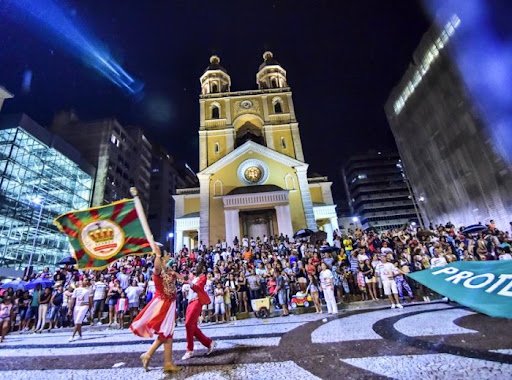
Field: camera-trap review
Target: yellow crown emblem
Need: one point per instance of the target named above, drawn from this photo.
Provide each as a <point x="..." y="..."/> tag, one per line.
<point x="102" y="235"/>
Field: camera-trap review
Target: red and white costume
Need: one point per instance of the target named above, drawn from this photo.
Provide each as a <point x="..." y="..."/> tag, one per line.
<point x="159" y="314"/>
<point x="197" y="297"/>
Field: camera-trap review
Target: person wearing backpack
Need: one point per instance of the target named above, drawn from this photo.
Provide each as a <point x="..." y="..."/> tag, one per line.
<point x="56" y="313"/>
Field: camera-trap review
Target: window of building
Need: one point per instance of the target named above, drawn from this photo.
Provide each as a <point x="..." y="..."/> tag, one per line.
<point x="215" y="87"/>
<point x="217" y="188"/>
<point x="273" y="83"/>
<point x="114" y="140"/>
<point x="278" y="106"/>
<point x="215" y="112"/>
<point x="217" y="148"/>
<point x="283" y="143"/>
<point x="289" y="182"/>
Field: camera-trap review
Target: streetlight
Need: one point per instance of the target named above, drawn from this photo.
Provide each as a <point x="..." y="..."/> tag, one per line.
<point x="36" y="200"/>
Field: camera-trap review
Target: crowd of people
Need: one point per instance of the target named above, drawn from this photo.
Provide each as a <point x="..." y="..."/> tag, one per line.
<point x="356" y="266"/>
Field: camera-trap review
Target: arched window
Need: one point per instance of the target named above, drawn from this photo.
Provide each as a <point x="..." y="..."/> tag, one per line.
<point x="278" y="107"/>
<point x="217" y="148"/>
<point x="215" y="112"/>
<point x="289" y="182"/>
<point x="215" y="87"/>
<point x="283" y="143"/>
<point x="273" y="83"/>
<point x="217" y="188"/>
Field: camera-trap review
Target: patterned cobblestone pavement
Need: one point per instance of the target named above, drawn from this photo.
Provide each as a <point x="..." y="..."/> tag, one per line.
<point x="430" y="341"/>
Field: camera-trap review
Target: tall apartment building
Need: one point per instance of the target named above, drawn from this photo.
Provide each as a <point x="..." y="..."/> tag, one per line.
<point x="377" y="191"/>
<point x="121" y="155"/>
<point x="452" y="161"/>
<point x="167" y="175"/>
<point x="41" y="177"/>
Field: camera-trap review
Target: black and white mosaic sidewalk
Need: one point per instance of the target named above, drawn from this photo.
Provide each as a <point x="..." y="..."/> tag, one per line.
<point x="430" y="341"/>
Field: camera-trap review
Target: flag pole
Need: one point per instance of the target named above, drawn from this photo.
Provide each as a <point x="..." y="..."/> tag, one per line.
<point x="142" y="217"/>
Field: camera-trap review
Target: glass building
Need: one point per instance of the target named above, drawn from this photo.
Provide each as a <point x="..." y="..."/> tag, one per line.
<point x="41" y="177"/>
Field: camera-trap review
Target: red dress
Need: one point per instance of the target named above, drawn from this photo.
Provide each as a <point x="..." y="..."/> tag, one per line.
<point x="159" y="314"/>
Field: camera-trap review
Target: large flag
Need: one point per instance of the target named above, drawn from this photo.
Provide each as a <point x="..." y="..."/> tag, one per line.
<point x="102" y="235"/>
<point x="485" y="286"/>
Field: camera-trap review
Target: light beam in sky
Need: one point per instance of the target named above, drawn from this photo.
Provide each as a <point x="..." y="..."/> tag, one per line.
<point x="57" y="22"/>
<point x="483" y="53"/>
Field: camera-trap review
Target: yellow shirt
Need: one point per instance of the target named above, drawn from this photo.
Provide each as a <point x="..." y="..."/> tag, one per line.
<point x="348" y="244"/>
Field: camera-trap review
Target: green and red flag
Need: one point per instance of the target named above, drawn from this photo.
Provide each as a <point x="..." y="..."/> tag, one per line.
<point x="101" y="235"/>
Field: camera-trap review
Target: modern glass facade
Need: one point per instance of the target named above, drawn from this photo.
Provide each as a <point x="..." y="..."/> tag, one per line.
<point x="38" y="182"/>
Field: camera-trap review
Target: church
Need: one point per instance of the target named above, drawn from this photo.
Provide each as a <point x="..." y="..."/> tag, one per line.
<point x="252" y="174"/>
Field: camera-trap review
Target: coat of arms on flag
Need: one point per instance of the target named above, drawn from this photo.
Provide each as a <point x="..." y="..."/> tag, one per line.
<point x="101" y="235"/>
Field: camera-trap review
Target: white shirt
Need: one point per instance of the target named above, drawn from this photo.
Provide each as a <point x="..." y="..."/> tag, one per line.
<point x="191" y="294"/>
<point x="81" y="295"/>
<point x="100" y="290"/>
<point x="505" y="256"/>
<point x="377" y="265"/>
<point x="438" y="262"/>
<point x="386" y="271"/>
<point x="386" y="250"/>
<point x="133" y="294"/>
<point x="326" y="278"/>
<point x="185" y="289"/>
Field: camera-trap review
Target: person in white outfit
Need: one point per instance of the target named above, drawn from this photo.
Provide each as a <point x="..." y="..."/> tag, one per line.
<point x="387" y="274"/>
<point x="327" y="284"/>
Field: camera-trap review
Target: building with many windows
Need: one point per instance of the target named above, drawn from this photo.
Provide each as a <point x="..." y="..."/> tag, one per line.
<point x="253" y="179"/>
<point x="122" y="156"/>
<point x="452" y="160"/>
<point x="41" y="177"/>
<point x="377" y="191"/>
<point x="167" y="175"/>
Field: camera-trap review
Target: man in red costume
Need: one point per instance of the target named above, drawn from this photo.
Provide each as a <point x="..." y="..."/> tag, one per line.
<point x="197" y="297"/>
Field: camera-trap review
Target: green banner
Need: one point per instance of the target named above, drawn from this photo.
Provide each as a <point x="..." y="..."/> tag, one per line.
<point x="484" y="286"/>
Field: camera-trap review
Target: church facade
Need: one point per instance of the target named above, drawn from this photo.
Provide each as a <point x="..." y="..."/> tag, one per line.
<point x="252" y="173"/>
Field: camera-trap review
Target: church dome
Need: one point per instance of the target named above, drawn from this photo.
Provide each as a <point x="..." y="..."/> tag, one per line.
<point x="215" y="64"/>
<point x="268" y="60"/>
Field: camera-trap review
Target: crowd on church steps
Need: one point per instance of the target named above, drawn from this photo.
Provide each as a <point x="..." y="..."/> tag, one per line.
<point x="294" y="273"/>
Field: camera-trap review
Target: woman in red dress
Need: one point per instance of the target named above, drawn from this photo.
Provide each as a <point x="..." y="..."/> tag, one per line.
<point x="159" y="314"/>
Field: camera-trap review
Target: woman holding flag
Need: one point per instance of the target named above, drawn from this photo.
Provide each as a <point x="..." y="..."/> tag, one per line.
<point x="158" y="317"/>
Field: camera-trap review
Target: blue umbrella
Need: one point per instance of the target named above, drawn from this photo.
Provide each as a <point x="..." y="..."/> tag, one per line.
<point x="474" y="228"/>
<point x="16" y="285"/>
<point x="304" y="233"/>
<point x="44" y="282"/>
<point x="67" y="261"/>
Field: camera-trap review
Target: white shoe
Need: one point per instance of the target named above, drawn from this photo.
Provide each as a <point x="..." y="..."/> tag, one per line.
<point x="78" y="337"/>
<point x="393" y="305"/>
<point x="187" y="355"/>
<point x="211" y="348"/>
<point x="99" y="324"/>
<point x="71" y="339"/>
<point x="399" y="306"/>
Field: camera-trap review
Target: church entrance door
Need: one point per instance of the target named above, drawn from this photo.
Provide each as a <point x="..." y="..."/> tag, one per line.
<point x="258" y="223"/>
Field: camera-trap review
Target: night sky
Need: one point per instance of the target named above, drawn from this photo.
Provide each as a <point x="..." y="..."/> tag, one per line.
<point x="342" y="59"/>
